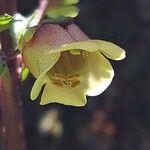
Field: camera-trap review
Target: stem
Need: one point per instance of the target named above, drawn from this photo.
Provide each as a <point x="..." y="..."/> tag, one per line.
<point x="10" y="103"/>
<point x="10" y="56"/>
<point x="40" y="12"/>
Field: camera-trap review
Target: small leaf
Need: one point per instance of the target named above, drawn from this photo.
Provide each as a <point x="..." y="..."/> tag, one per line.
<point x="63" y="11"/>
<point x="5" y="22"/>
<point x="24" y="73"/>
<point x="70" y="2"/>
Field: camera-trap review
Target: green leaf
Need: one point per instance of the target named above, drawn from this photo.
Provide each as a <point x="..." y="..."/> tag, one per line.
<point x="63" y="11"/>
<point x="4" y="71"/>
<point x="70" y="2"/>
<point x="5" y="22"/>
<point x="24" y="73"/>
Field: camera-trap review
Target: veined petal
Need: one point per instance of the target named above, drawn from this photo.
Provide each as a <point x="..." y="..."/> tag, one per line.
<point x="35" y="52"/>
<point x="65" y="95"/>
<point x="111" y="50"/>
<point x="76" y="33"/>
<point x="36" y="89"/>
<point x="41" y="80"/>
<point x="87" y="45"/>
<point x="37" y="62"/>
<point x="100" y="73"/>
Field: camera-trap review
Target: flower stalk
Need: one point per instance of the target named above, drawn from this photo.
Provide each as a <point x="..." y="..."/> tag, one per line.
<point x="10" y="103"/>
<point x="43" y="4"/>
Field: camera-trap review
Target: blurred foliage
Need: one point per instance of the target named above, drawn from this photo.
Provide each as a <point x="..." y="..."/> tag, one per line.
<point x="62" y="8"/>
<point x="63" y="11"/>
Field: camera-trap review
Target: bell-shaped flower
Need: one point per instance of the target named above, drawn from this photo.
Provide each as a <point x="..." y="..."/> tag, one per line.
<point x="67" y="64"/>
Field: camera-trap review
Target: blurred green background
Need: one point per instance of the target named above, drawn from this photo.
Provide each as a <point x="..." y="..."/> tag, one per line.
<point x="119" y="118"/>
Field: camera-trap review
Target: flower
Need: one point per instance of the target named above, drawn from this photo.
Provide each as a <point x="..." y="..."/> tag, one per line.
<point x="67" y="64"/>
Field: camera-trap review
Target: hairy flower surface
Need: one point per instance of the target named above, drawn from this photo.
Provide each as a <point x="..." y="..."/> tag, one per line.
<point x="67" y="64"/>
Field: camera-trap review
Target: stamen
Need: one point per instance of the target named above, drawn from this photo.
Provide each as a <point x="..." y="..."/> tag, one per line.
<point x="75" y="83"/>
<point x="84" y="54"/>
<point x="57" y="83"/>
<point x="73" y="77"/>
<point x="59" y="77"/>
<point x="66" y="82"/>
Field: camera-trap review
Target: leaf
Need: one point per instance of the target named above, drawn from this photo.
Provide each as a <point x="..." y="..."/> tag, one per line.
<point x="63" y="11"/>
<point x="5" y="22"/>
<point x="70" y="2"/>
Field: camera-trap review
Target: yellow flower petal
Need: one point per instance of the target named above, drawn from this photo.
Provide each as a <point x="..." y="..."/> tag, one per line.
<point x="35" y="52"/>
<point x="36" y="89"/>
<point x="109" y="49"/>
<point x="41" y="80"/>
<point x="39" y="62"/>
<point x="66" y="96"/>
<point x="100" y="74"/>
<point x="88" y="45"/>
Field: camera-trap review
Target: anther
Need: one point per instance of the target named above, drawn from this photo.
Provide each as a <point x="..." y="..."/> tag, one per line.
<point x="59" y="77"/>
<point x="57" y="83"/>
<point x="73" y="77"/>
<point x="75" y="83"/>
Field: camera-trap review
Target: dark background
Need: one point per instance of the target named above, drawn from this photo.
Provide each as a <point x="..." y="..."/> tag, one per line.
<point x="119" y="118"/>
